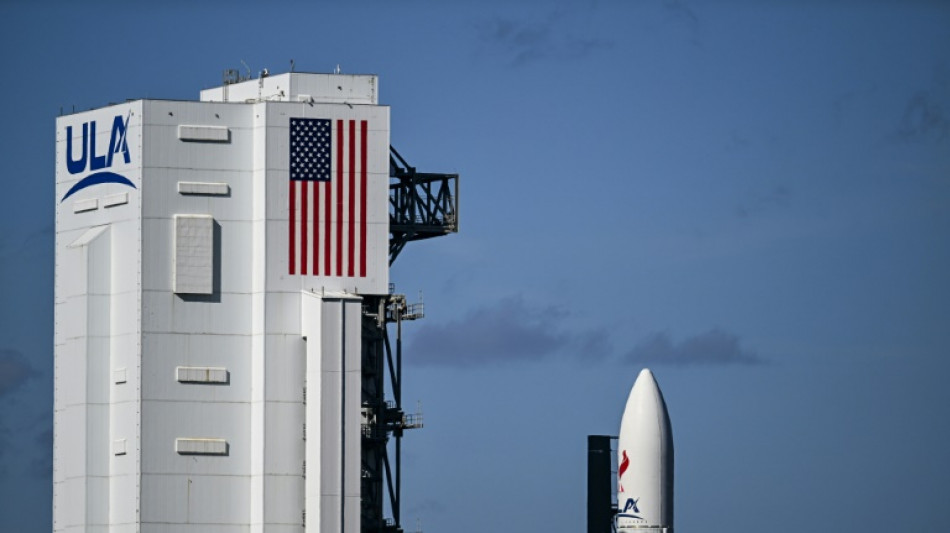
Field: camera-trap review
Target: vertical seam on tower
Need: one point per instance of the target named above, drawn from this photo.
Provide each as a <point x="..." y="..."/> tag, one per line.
<point x="343" y="415"/>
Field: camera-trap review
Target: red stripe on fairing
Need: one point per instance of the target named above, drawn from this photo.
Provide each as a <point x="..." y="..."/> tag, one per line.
<point x="304" y="247"/>
<point x="350" y="225"/>
<point x="363" y="135"/>
<point x="624" y="464"/>
<point x="339" y="199"/>
<point x="292" y="245"/>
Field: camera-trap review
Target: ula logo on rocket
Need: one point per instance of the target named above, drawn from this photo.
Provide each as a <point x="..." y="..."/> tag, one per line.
<point x="89" y="159"/>
<point x="630" y="506"/>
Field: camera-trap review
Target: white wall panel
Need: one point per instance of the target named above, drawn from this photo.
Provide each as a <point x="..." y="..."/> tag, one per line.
<point x="169" y="313"/>
<point x="218" y="500"/>
<point x="205" y="503"/>
<point x="125" y="426"/>
<point x="194" y="112"/>
<point x="351" y="417"/>
<point x="98" y="307"/>
<point x="163" y="352"/>
<point x="98" y="370"/>
<point x="72" y="422"/>
<point x="283" y="312"/>
<point x="311" y="310"/>
<point x="126" y="269"/>
<point x="333" y="328"/>
<point x="283" y="431"/>
<point x="70" y="508"/>
<point x="125" y="354"/>
<point x="71" y="262"/>
<point x="71" y="320"/>
<point x="165" y="197"/>
<point x="166" y="497"/>
<point x="125" y="307"/>
<point x="331" y="437"/>
<point x="165" y="150"/>
<point x="158" y="239"/>
<point x="71" y="361"/>
<point x="123" y="504"/>
<point x="97" y="500"/>
<point x="352" y="434"/>
<point x="286" y="369"/>
<point x="236" y="256"/>
<point x="283" y="502"/>
<point x="172" y="420"/>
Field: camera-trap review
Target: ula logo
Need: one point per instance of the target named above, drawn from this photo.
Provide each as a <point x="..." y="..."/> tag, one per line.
<point x="630" y="508"/>
<point x="89" y="158"/>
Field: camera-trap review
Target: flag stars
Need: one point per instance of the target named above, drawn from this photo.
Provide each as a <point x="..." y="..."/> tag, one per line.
<point x="310" y="141"/>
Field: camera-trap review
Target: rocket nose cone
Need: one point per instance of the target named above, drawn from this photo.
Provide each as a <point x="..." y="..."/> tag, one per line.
<point x="645" y="396"/>
<point x="645" y="380"/>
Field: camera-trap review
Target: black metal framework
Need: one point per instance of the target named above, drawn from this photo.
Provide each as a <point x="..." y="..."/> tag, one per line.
<point x="382" y="417"/>
<point x="422" y="205"/>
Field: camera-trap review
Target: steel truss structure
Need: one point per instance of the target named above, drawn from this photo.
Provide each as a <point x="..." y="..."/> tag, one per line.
<point x="422" y="206"/>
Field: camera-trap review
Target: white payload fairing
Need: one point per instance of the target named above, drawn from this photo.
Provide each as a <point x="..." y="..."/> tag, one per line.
<point x="645" y="461"/>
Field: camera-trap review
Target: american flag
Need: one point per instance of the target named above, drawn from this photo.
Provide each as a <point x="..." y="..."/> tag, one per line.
<point x="327" y="230"/>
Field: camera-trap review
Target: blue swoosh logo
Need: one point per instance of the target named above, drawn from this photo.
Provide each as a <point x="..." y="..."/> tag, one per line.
<point x="96" y="179"/>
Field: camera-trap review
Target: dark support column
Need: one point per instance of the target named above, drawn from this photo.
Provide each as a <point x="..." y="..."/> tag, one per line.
<point x="599" y="506"/>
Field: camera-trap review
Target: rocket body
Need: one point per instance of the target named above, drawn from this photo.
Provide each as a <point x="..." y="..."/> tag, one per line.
<point x="645" y="461"/>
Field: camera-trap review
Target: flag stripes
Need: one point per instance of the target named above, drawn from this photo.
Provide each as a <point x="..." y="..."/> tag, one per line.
<point x="327" y="197"/>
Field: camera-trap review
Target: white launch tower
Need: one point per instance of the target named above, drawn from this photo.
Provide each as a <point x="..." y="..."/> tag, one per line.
<point x="214" y="260"/>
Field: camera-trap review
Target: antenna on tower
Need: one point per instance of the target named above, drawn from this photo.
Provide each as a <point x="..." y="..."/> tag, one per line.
<point x="229" y="76"/>
<point x="248" y="70"/>
<point x="291" y="65"/>
<point x="337" y="69"/>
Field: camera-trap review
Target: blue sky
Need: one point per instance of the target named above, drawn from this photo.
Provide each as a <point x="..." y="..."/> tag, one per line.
<point x="751" y="198"/>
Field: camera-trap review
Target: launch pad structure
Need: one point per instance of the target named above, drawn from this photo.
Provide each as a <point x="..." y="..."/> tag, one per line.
<point x="422" y="206"/>
<point x="223" y="310"/>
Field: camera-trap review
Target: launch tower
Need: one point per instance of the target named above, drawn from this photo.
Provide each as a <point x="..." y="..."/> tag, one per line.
<point x="222" y="359"/>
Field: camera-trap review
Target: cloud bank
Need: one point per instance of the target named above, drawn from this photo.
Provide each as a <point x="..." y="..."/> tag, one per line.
<point x="715" y="347"/>
<point x="513" y="330"/>
<point x="923" y="118"/>
<point x="15" y="370"/>
<point x="510" y="330"/>
<point x="524" y="42"/>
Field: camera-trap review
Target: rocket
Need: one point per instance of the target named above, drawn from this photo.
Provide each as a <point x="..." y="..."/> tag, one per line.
<point x="645" y="461"/>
